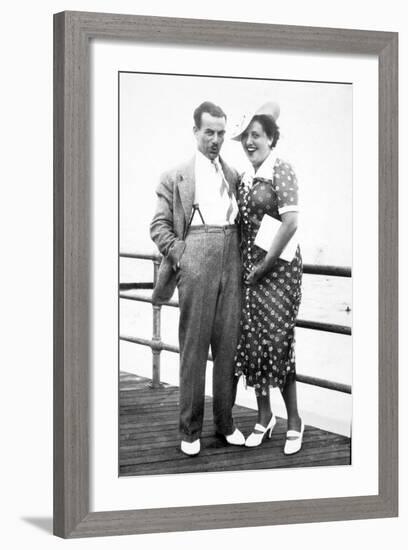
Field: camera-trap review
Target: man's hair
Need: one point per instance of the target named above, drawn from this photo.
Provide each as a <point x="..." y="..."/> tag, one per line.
<point x="269" y="126"/>
<point x="210" y="108"/>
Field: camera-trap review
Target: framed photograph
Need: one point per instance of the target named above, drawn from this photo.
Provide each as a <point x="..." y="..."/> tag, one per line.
<point x="324" y="111"/>
<point x="295" y="125"/>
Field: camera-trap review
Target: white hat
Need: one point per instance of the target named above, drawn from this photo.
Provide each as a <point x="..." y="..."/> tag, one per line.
<point x="270" y="108"/>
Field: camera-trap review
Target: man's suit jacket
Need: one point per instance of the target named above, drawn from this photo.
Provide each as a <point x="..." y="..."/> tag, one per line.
<point x="175" y="194"/>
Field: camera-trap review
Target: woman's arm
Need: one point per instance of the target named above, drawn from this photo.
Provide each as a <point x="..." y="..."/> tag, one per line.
<point x="282" y="237"/>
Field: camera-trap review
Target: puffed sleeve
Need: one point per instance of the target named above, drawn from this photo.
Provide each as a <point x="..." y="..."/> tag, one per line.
<point x="286" y="187"/>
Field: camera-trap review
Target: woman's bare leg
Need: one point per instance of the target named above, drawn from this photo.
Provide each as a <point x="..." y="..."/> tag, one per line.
<point x="289" y="395"/>
<point x="264" y="409"/>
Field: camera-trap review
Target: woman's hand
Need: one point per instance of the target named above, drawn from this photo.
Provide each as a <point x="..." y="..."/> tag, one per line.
<point x="256" y="273"/>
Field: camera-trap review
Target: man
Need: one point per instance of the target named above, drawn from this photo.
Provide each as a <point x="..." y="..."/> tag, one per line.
<point x="194" y="228"/>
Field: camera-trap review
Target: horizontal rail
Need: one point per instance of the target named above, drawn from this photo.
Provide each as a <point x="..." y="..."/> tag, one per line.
<point x="310" y="269"/>
<point x="322" y="383"/>
<point x="301" y="323"/>
<point x="325" y="327"/>
<point x="154" y="344"/>
<point x="140" y="256"/>
<point x="147" y="299"/>
<point x="136" y="286"/>
<point x="312" y="380"/>
<point x="328" y="270"/>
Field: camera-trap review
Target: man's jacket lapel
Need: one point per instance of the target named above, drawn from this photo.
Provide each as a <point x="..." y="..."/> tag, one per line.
<point x="186" y="187"/>
<point x="230" y="175"/>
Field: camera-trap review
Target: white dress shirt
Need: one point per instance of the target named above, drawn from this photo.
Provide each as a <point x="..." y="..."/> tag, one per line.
<point x="213" y="205"/>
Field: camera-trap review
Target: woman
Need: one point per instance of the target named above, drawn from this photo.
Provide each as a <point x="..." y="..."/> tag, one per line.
<point x="272" y="286"/>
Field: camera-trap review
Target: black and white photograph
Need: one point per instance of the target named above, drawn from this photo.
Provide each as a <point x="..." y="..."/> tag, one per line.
<point x="235" y="269"/>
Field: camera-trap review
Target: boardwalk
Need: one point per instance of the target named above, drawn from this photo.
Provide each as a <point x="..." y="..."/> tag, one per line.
<point x="149" y="440"/>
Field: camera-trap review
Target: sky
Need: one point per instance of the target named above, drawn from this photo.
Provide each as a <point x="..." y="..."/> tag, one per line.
<point x="316" y="138"/>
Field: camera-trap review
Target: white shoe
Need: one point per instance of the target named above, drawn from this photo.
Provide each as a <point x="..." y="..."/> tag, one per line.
<point x="190" y="449"/>
<point x="255" y="439"/>
<point x="236" y="438"/>
<point x="292" y="446"/>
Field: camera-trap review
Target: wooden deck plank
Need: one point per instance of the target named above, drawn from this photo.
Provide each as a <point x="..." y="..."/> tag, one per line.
<point x="149" y="440"/>
<point x="164" y="444"/>
<point x="214" y="446"/>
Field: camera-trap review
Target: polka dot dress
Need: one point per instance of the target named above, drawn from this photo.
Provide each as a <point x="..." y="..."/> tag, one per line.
<point x="266" y="350"/>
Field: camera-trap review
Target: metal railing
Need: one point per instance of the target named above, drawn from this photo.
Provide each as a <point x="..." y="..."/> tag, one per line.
<point x="157" y="345"/>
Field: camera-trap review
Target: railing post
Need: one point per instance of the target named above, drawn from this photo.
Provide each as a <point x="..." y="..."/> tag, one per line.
<point x="156" y="349"/>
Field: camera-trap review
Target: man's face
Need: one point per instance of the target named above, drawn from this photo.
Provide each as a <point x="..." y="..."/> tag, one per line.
<point x="210" y="135"/>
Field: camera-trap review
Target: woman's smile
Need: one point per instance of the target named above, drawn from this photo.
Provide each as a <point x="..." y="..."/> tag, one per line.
<point x="256" y="144"/>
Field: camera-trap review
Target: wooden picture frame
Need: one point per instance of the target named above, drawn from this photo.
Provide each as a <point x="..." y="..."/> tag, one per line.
<point x="72" y="34"/>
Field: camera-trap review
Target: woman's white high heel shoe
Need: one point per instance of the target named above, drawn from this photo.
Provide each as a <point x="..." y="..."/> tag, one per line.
<point x="256" y="439"/>
<point x="294" y="445"/>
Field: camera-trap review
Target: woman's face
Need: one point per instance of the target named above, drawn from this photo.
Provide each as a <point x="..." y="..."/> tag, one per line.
<point x="256" y="143"/>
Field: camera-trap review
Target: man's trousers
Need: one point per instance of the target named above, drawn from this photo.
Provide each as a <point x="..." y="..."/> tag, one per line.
<point x="209" y="288"/>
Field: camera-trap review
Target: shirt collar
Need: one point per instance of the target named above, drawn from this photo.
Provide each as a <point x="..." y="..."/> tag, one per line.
<point x="265" y="170"/>
<point x="202" y="161"/>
